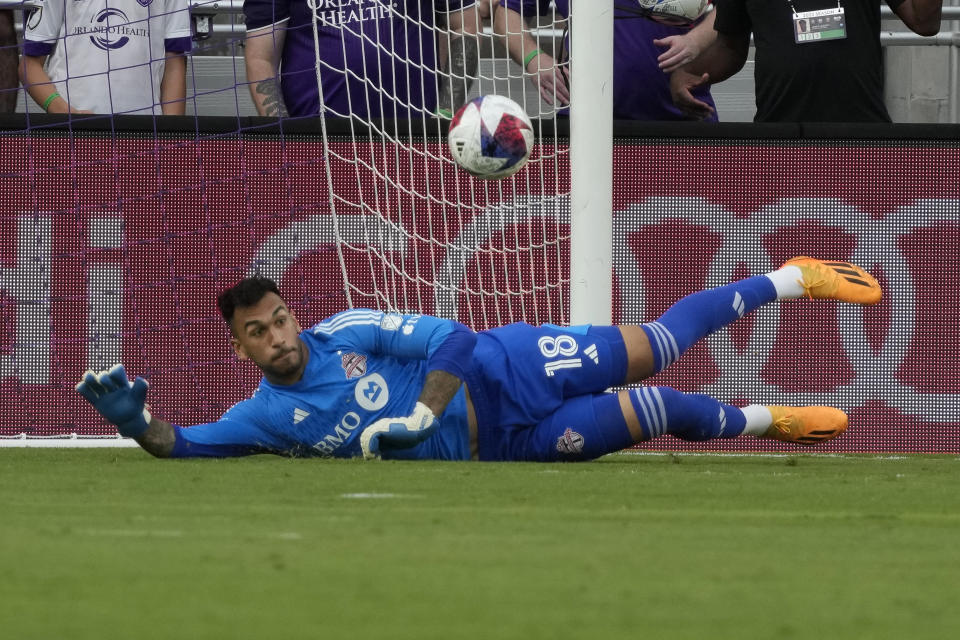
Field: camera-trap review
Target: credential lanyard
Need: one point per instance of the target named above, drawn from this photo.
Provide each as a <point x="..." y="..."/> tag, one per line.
<point x="820" y="25"/>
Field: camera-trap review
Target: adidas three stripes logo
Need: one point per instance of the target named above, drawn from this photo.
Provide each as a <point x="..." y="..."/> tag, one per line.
<point x="846" y="270"/>
<point x="664" y="343"/>
<point x="738" y="305"/>
<point x="653" y="413"/>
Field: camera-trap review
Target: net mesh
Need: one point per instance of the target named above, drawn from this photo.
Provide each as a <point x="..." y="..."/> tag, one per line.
<point x="392" y="184"/>
<point x="117" y="235"/>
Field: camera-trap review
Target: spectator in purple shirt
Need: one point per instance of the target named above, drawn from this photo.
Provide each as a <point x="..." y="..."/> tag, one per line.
<point x="389" y="51"/>
<point x="111" y="56"/>
<point x="641" y="88"/>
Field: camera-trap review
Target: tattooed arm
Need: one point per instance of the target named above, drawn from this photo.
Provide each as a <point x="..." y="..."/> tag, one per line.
<point x="459" y="59"/>
<point x="262" y="51"/>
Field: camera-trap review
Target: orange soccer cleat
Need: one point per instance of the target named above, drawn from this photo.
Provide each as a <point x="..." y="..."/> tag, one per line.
<point x="836" y="281"/>
<point x="806" y="425"/>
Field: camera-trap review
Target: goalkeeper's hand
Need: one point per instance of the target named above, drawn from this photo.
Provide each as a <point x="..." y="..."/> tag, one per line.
<point x="398" y="433"/>
<point x="120" y="402"/>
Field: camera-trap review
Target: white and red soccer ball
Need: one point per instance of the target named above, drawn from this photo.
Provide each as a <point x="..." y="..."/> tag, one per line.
<point x="491" y="137"/>
<point x="674" y="12"/>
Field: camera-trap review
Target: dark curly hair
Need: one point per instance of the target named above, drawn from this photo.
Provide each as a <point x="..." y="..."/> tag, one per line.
<point x="245" y="293"/>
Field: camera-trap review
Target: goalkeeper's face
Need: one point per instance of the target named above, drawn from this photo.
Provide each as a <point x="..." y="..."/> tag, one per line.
<point x="268" y="335"/>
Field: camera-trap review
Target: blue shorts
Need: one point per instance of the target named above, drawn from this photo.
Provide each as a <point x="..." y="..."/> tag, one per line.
<point x="539" y="394"/>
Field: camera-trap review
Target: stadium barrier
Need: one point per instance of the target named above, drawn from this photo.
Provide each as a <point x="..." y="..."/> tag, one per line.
<point x="216" y="85"/>
<point x="117" y="233"/>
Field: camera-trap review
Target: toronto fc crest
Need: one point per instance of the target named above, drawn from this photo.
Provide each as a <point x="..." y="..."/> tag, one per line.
<point x="570" y="442"/>
<point x="354" y="364"/>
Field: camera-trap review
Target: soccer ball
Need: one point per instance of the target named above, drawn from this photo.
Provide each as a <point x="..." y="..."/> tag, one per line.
<point x="491" y="137"/>
<point x="673" y="12"/>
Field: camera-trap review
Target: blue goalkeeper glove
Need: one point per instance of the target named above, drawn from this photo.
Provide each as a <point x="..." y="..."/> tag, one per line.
<point x="121" y="403"/>
<point x="398" y="433"/>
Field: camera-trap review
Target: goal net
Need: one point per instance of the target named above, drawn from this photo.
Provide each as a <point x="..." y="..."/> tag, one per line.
<point x="118" y="232"/>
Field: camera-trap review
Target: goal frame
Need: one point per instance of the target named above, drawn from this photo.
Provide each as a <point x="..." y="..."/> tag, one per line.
<point x="591" y="162"/>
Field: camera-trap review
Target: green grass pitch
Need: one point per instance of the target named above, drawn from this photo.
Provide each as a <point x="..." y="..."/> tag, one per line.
<point x="113" y="544"/>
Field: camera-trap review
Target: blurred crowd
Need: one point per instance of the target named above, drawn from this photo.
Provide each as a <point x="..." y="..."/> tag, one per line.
<point x="815" y="60"/>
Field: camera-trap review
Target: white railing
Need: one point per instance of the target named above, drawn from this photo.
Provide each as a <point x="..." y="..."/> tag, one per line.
<point x="235" y="7"/>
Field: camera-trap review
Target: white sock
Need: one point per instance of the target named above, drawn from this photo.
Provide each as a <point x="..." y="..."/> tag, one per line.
<point x="759" y="419"/>
<point x="787" y="282"/>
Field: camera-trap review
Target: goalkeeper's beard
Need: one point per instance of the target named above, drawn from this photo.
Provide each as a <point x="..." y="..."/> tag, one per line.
<point x="287" y="366"/>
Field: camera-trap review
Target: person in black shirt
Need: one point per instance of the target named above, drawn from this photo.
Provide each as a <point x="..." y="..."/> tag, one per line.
<point x="831" y="70"/>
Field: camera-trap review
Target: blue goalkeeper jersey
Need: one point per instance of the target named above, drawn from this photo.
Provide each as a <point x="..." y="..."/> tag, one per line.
<point x="363" y="365"/>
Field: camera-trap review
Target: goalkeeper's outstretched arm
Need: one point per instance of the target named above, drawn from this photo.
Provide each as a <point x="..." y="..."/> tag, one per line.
<point x="158" y="439"/>
<point x="123" y="404"/>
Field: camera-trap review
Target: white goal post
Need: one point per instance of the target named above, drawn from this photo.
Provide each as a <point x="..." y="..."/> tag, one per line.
<point x="591" y="162"/>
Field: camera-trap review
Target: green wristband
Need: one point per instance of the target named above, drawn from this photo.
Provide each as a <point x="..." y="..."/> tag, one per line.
<point x="530" y="56"/>
<point x="53" y="96"/>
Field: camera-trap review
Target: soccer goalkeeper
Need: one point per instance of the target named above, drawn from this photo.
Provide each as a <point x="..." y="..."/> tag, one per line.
<point x="376" y="384"/>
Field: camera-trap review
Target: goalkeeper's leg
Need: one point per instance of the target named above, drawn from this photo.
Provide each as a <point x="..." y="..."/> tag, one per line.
<point x="590" y="426"/>
<point x="651" y="412"/>
<point x="654" y="346"/>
